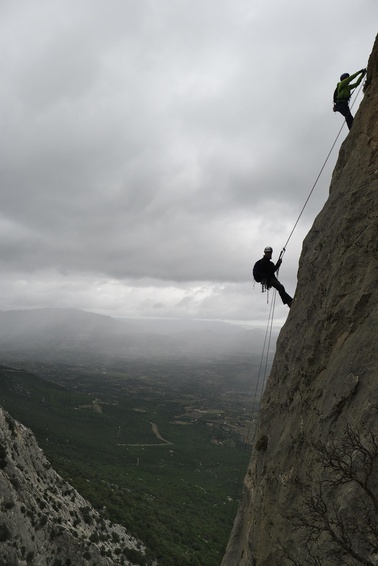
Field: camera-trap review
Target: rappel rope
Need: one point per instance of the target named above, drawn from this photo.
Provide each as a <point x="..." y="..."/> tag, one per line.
<point x="258" y="391"/>
<point x="263" y="367"/>
<point x="318" y="177"/>
<point x="309" y="195"/>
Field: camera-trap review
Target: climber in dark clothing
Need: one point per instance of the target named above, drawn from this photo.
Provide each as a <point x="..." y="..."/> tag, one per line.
<point x="343" y="92"/>
<point x="264" y="272"/>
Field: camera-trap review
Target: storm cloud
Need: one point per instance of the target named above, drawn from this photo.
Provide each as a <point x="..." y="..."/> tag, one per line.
<point x="151" y="149"/>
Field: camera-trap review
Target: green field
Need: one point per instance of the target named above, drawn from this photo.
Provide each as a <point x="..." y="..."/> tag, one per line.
<point x="174" y="486"/>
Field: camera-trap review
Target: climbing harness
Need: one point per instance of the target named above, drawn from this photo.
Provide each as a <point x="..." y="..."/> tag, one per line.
<point x="264" y="284"/>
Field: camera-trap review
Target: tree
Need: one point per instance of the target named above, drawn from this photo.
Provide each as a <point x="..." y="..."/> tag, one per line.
<point x="338" y="520"/>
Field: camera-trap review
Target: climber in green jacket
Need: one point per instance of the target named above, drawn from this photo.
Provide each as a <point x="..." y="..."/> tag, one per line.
<point x="343" y="92"/>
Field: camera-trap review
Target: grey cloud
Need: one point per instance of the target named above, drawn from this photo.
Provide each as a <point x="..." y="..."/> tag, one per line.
<point x="151" y="149"/>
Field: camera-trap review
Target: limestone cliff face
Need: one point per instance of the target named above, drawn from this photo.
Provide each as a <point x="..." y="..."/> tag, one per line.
<point x="43" y="520"/>
<point x="311" y="491"/>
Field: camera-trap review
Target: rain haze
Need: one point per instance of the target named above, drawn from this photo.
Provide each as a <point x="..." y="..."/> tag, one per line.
<point x="151" y="149"/>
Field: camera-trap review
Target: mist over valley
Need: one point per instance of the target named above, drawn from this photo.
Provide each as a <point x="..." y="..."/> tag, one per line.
<point x="161" y="409"/>
<point x="49" y="332"/>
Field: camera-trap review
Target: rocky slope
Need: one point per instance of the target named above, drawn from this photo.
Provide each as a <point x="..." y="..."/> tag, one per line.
<point x="311" y="491"/>
<point x="43" y="520"/>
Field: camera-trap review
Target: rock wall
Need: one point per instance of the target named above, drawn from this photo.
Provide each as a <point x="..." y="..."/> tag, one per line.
<point x="311" y="491"/>
<point x="43" y="520"/>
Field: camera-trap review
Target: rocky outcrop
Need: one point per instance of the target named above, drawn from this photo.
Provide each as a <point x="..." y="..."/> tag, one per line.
<point x="43" y="520"/>
<point x="311" y="491"/>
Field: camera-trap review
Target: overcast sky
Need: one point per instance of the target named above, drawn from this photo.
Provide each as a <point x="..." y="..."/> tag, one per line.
<point x="150" y="149"/>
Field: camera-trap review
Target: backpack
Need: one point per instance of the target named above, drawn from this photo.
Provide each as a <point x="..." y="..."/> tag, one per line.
<point x="335" y="94"/>
<point x="256" y="272"/>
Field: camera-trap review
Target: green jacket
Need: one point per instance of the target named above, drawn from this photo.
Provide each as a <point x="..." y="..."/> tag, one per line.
<point x="344" y="88"/>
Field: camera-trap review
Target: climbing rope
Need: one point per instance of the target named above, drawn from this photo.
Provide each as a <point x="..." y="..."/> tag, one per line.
<point x="318" y="177"/>
<point x="258" y="391"/>
<point x="264" y="360"/>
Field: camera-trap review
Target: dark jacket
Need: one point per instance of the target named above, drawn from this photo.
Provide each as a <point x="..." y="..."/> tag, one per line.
<point x="266" y="268"/>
